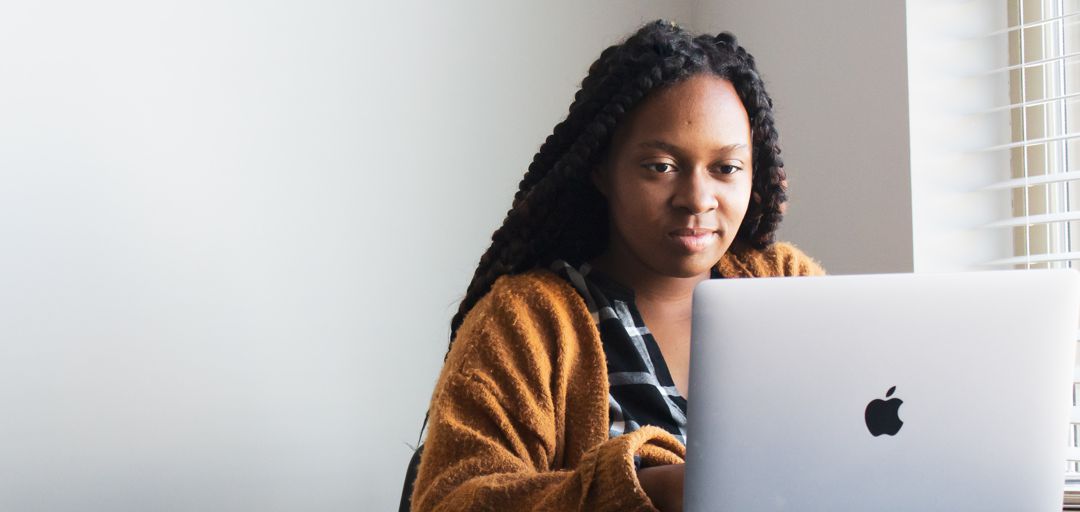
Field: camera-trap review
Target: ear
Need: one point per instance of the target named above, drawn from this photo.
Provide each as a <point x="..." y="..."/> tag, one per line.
<point x="598" y="175"/>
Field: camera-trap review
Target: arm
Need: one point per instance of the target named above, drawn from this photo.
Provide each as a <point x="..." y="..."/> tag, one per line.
<point x="508" y="431"/>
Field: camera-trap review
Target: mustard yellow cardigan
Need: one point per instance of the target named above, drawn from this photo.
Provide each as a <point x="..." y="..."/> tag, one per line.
<point x="519" y="416"/>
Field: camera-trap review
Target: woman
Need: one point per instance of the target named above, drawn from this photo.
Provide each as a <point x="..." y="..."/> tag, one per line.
<point x="566" y="380"/>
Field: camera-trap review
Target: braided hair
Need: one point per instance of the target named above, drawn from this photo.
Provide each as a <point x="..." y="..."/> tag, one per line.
<point x="558" y="213"/>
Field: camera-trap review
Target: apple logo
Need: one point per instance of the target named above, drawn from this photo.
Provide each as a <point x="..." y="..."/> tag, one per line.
<point x="883" y="416"/>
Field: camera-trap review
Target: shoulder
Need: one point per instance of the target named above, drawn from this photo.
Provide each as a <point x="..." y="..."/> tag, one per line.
<point x="535" y="315"/>
<point x="778" y="259"/>
<point x="537" y="291"/>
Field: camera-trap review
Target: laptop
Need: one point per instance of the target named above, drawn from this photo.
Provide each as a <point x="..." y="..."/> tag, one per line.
<point x="882" y="392"/>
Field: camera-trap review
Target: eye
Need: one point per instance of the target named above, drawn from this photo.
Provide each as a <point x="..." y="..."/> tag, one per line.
<point x="660" y="167"/>
<point x="729" y="169"/>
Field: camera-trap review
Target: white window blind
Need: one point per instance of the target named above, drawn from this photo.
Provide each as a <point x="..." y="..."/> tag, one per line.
<point x="1044" y="146"/>
<point x="1043" y="189"/>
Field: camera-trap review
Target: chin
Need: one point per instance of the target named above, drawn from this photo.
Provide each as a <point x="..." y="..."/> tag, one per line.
<point x="691" y="267"/>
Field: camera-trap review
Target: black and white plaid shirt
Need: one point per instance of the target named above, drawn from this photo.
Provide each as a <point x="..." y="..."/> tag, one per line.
<point x="640" y="388"/>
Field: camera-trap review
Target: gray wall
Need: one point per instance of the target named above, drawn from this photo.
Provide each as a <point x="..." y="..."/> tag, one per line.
<point x="837" y="72"/>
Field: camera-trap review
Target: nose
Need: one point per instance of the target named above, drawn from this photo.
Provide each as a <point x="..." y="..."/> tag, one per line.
<point x="695" y="192"/>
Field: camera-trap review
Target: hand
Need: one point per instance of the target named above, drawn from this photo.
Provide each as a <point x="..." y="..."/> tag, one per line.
<point x="664" y="486"/>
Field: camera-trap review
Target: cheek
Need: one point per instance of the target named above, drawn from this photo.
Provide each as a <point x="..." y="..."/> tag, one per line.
<point x="636" y="202"/>
<point x="637" y="215"/>
<point x="736" y="199"/>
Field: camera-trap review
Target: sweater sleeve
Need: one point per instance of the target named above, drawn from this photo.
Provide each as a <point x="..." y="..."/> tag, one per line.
<point x="503" y="423"/>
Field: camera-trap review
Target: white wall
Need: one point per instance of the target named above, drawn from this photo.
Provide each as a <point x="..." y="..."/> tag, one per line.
<point x="233" y="234"/>
<point x="837" y="73"/>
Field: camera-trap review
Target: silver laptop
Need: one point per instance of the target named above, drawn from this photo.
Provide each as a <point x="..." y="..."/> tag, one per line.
<point x="882" y="392"/>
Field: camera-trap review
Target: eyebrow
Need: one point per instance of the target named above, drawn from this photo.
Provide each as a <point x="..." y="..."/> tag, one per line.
<point x="659" y="144"/>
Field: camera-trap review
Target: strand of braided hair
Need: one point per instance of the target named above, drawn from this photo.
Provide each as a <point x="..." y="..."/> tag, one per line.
<point x="557" y="211"/>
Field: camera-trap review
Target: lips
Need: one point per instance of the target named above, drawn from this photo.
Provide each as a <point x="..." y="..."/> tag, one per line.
<point x="692" y="232"/>
<point x="694" y="239"/>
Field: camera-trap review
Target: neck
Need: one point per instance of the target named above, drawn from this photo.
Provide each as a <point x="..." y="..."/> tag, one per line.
<point x="648" y="285"/>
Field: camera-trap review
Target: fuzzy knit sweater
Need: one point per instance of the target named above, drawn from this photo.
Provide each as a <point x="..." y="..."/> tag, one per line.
<point x="519" y="416"/>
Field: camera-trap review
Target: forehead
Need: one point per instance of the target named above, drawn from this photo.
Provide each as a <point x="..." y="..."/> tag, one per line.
<point x="703" y="109"/>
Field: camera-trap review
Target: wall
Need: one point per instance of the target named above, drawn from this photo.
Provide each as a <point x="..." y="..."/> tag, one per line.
<point x="233" y="234"/>
<point x="837" y="73"/>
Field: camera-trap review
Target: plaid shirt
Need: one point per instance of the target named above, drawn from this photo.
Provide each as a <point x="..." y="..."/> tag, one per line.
<point x="640" y="388"/>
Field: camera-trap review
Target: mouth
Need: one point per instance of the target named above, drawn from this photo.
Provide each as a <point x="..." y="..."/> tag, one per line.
<point x="694" y="239"/>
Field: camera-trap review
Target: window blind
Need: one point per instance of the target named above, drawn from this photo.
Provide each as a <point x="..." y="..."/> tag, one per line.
<point x="1044" y="153"/>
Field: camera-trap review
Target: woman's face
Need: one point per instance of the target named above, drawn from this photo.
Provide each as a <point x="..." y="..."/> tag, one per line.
<point x="678" y="179"/>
